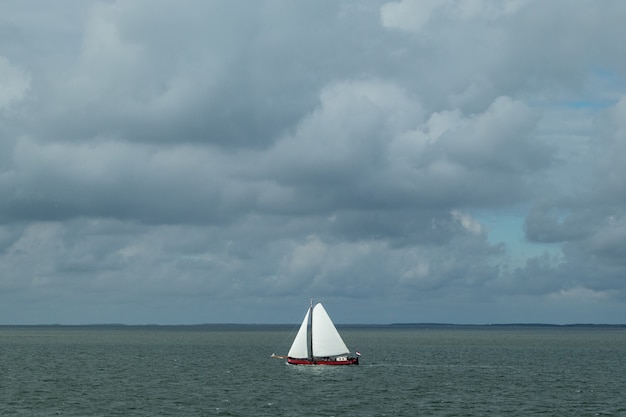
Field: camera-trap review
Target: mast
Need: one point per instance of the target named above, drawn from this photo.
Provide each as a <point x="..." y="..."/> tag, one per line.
<point x="311" y="330"/>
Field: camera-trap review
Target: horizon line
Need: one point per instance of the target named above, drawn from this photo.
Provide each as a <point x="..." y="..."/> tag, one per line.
<point x="344" y="325"/>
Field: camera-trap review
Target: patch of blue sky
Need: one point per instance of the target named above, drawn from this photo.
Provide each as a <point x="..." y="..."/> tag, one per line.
<point x="602" y="89"/>
<point x="508" y="229"/>
<point x="588" y="104"/>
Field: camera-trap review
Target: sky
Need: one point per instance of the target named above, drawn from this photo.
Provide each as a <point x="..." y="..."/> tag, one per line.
<point x="207" y="161"/>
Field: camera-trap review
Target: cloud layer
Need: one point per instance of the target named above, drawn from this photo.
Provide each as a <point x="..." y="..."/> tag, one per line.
<point x="225" y="161"/>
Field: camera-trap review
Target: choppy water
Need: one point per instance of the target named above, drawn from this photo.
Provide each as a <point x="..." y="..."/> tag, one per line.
<point x="409" y="372"/>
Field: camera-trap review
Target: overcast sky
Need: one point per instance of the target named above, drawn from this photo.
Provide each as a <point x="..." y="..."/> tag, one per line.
<point x="225" y="161"/>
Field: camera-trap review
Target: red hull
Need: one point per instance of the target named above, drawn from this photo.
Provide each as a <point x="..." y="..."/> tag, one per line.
<point x="349" y="361"/>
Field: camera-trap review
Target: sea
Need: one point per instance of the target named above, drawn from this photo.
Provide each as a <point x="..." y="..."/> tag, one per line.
<point x="228" y="371"/>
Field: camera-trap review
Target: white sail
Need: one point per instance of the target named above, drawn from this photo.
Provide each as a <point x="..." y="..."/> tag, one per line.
<point x="299" y="347"/>
<point x="326" y="338"/>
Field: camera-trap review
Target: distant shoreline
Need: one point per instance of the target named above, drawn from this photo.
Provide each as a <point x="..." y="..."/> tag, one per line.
<point x="287" y="326"/>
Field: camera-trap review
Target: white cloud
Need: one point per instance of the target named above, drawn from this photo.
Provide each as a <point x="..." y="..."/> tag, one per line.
<point x="14" y="83"/>
<point x="413" y="15"/>
<point x="407" y="15"/>
<point x="470" y="224"/>
<point x="579" y="295"/>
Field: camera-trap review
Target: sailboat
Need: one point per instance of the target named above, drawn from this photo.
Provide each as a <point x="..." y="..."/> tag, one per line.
<point x="318" y="342"/>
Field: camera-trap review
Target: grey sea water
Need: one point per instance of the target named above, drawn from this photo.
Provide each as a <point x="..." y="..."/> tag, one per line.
<point x="228" y="372"/>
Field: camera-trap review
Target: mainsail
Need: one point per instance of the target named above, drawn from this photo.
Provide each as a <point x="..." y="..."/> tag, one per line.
<point x="326" y="338"/>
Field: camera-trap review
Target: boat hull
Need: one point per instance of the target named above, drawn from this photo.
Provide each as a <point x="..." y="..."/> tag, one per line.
<point x="320" y="361"/>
